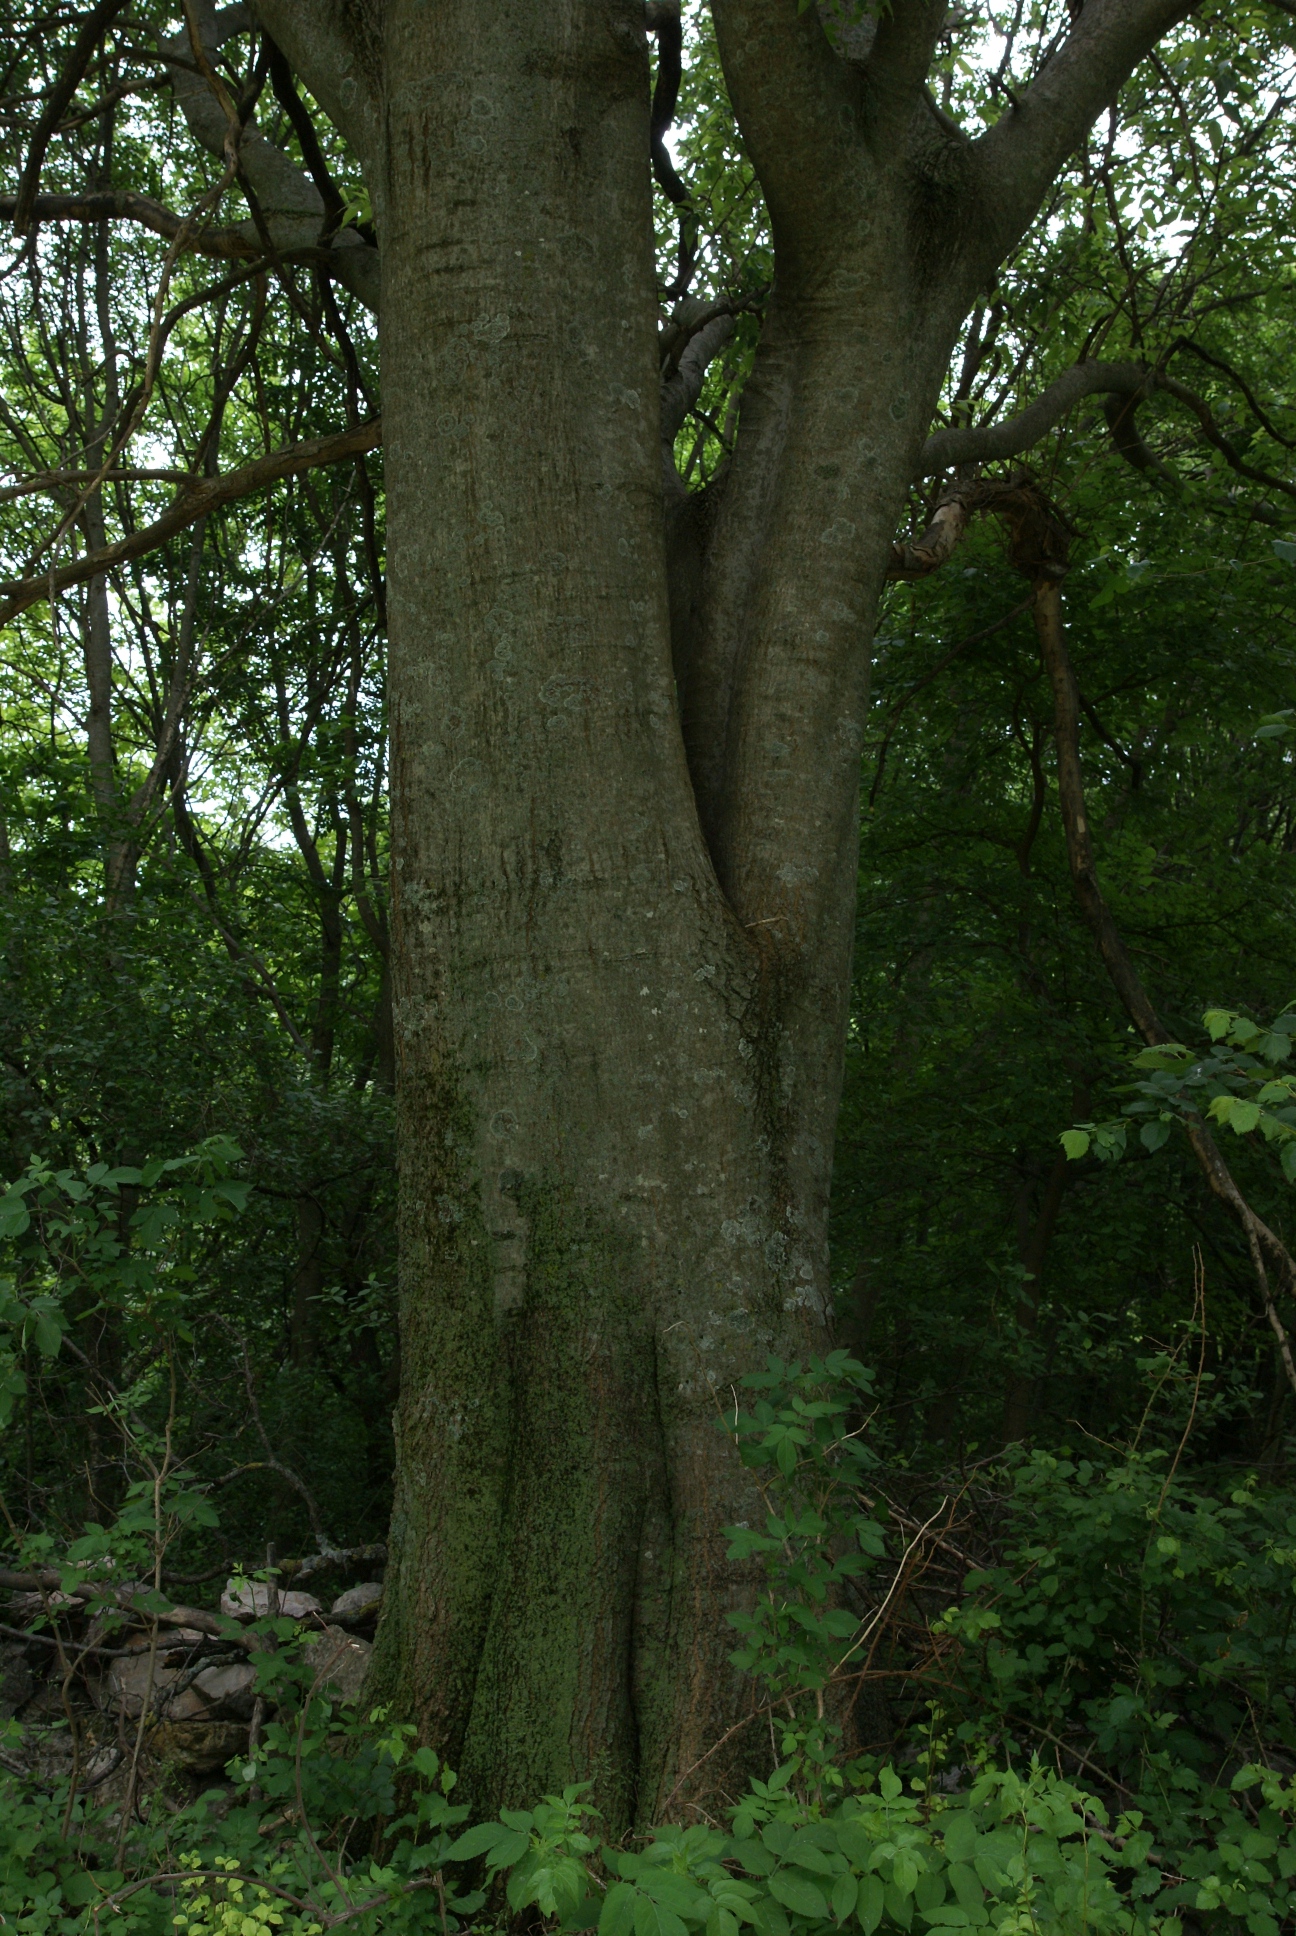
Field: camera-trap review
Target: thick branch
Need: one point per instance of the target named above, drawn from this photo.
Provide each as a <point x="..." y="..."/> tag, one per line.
<point x="1026" y="148"/>
<point x="196" y="501"/>
<point x="122" y="204"/>
<point x="335" y="49"/>
<point x="799" y="108"/>
<point x="897" y="70"/>
<point x="918" y="557"/>
<point x="987" y="443"/>
<point x="291" y="206"/>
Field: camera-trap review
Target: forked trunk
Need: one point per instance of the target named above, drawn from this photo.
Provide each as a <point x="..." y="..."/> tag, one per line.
<point x="622" y="909"/>
<point x="603" y="1225"/>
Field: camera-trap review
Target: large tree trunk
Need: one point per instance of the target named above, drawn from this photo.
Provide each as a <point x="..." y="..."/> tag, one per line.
<point x="604" y="1222"/>
<point x="621" y="937"/>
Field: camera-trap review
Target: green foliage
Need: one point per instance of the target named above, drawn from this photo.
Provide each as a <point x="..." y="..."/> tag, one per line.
<point x="1240" y="1084"/>
<point x="1139" y="1614"/>
<point x="804" y="1438"/>
<point x="1134" y="1622"/>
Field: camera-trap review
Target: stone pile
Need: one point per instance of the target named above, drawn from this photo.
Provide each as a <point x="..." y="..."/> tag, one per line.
<point x="193" y="1688"/>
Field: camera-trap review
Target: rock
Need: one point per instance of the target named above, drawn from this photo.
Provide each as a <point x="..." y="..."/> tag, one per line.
<point x="342" y="1659"/>
<point x="17" y="1682"/>
<point x="358" y="1602"/>
<point x="220" y="1690"/>
<point x="228" y="1689"/>
<point x="26" y="1606"/>
<point x="202" y="1746"/>
<point x="250" y="1600"/>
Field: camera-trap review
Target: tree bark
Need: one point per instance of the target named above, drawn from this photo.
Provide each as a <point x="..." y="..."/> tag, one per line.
<point x="621" y="930"/>
<point x="600" y="1225"/>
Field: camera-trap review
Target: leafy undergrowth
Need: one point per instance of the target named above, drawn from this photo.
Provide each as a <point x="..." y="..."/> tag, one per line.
<point x="1015" y="1852"/>
<point x="1095" y="1734"/>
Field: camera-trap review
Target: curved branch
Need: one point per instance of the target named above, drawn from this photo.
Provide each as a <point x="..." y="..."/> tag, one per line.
<point x="985" y="443"/>
<point x="196" y="501"/>
<point x="122" y="204"/>
<point x="66" y="86"/>
<point x="682" y="386"/>
<point x="1214" y="435"/>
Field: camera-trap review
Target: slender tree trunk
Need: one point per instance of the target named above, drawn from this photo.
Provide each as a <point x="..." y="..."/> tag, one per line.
<point x="1262" y="1242"/>
<point x="1034" y="1234"/>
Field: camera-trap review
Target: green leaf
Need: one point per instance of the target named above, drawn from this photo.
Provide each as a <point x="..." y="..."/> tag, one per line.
<point x="1281" y="548"/>
<point x="872" y="1901"/>
<point x="904" y="1872"/>
<point x="804" y="1852"/>
<point x="1076" y="1143"/>
<point x="481" y="1840"/>
<point x="1288" y="1160"/>
<point x="959" y="1836"/>
<point x="899" y="1905"/>
<point x="845" y="1891"/>
<point x="929" y="1891"/>
<point x="797" y="1893"/>
<point x="654" y="1919"/>
<point x="49" y="1333"/>
<point x="1154" y="1135"/>
<point x="769" y="1918"/>
<point x="674" y="1891"/>
<point x="961" y="1878"/>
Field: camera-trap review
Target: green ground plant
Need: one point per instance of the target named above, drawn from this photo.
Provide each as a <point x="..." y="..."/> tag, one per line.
<point x="1110" y="1750"/>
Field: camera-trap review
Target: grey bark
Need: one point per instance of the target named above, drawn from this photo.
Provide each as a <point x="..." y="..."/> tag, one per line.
<point x="290" y="205"/>
<point x="621" y="932"/>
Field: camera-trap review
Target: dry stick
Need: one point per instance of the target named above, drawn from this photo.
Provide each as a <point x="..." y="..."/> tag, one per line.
<point x="1051" y="632"/>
